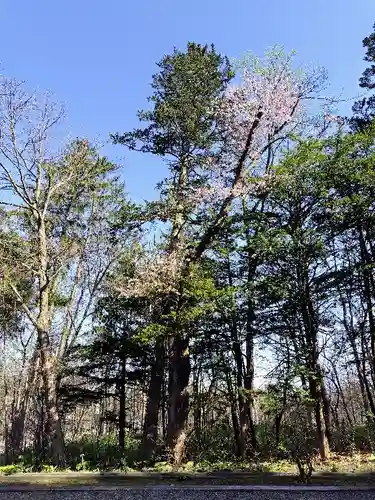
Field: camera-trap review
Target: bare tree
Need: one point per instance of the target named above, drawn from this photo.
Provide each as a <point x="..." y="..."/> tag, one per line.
<point x="58" y="200"/>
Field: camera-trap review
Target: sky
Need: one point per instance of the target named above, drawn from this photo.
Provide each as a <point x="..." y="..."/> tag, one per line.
<point x="97" y="57"/>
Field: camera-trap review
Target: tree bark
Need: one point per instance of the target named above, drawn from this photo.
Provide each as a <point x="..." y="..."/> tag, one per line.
<point x="234" y="416"/>
<point x="48" y="362"/>
<point x="122" y="405"/>
<point x="154" y="399"/>
<point x="180" y="369"/>
<point x="55" y="434"/>
<point x="323" y="443"/>
<point x="312" y="360"/>
<point x="197" y="408"/>
<point x="249" y="375"/>
<point x="326" y="412"/>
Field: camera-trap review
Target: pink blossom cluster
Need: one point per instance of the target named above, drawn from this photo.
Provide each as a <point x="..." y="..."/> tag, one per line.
<point x="251" y="115"/>
<point x="217" y="192"/>
<point x="269" y="96"/>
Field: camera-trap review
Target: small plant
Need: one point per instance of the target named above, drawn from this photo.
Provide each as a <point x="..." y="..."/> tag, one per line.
<point x="83" y="465"/>
<point x="49" y="468"/>
<point x="7" y="470"/>
<point x="189" y="466"/>
<point x="163" y="467"/>
<point x="124" y="467"/>
<point x="334" y="468"/>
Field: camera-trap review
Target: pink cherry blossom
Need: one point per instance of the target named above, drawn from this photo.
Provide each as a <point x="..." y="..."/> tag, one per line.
<point x="251" y="115"/>
<point x="269" y="98"/>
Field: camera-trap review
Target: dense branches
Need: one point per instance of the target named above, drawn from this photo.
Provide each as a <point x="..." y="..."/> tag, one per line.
<point x="235" y="313"/>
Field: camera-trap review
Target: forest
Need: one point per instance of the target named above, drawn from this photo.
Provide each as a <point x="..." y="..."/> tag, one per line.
<point x="230" y="320"/>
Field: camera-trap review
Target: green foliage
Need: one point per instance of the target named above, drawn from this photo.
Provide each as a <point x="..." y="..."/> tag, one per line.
<point x="49" y="468"/>
<point x="290" y="272"/>
<point x="92" y="453"/>
<point x="117" y="335"/>
<point x="185" y="91"/>
<point x="10" y="469"/>
<point x="364" y="109"/>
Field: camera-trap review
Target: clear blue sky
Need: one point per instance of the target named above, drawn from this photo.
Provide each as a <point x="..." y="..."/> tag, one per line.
<point x="97" y="56"/>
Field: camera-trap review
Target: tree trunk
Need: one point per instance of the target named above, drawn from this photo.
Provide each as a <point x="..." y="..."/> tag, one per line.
<point x="326" y="412"/>
<point x="48" y="362"/>
<point x="323" y="443"/>
<point x="40" y="445"/>
<point x="197" y="409"/>
<point x="234" y="416"/>
<point x="310" y="324"/>
<point x="179" y="397"/>
<point x="249" y="375"/>
<point x="278" y="420"/>
<point x="154" y="398"/>
<point x="243" y="408"/>
<point x="55" y="435"/>
<point x="236" y="431"/>
<point x="122" y="405"/>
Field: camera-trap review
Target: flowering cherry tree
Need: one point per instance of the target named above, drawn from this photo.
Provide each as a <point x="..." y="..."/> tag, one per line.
<point x="251" y="116"/>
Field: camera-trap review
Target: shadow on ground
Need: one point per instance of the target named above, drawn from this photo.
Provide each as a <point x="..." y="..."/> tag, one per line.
<point x="52" y="480"/>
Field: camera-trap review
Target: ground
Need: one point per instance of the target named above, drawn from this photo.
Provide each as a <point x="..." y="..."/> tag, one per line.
<point x="356" y="470"/>
<point x="179" y="494"/>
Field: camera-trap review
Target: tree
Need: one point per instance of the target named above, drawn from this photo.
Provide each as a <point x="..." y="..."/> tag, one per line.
<point x="364" y="109"/>
<point x="113" y="360"/>
<point x="183" y="129"/>
<point x="57" y="202"/>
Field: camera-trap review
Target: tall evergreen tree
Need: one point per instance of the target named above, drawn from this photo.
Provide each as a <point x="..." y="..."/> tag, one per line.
<point x="364" y="109"/>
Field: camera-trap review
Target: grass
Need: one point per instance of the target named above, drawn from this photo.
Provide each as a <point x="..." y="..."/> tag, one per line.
<point x="354" y="470"/>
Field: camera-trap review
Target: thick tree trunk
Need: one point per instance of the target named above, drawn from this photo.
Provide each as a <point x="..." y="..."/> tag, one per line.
<point x="321" y="433"/>
<point x="178" y="398"/>
<point x="55" y="434"/>
<point x="250" y="340"/>
<point x="17" y="429"/>
<point x="48" y="362"/>
<point x="312" y="361"/>
<point x="40" y="444"/>
<point x="243" y="407"/>
<point x="154" y="399"/>
<point x="234" y="416"/>
<point x="323" y="442"/>
<point x="236" y="431"/>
